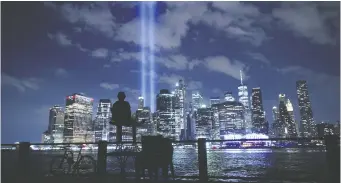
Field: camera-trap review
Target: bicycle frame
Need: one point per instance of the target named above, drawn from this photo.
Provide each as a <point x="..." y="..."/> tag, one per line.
<point x="66" y="157"/>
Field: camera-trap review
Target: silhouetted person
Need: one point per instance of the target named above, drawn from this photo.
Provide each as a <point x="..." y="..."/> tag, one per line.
<point x="121" y="115"/>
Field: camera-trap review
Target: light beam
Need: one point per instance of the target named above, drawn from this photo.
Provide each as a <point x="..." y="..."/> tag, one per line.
<point x="151" y="8"/>
<point x="143" y="50"/>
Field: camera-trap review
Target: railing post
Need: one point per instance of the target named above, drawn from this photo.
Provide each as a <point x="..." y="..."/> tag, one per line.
<point x="202" y="158"/>
<point x="24" y="159"/>
<point x="333" y="157"/>
<point x="102" y="157"/>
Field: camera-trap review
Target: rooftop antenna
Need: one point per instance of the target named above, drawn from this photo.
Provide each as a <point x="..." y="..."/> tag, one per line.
<point x="241" y="77"/>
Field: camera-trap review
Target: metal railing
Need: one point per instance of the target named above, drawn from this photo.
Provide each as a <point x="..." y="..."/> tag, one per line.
<point x="23" y="157"/>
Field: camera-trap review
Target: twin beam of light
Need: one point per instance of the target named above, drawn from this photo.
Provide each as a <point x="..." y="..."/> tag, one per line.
<point x="147" y="40"/>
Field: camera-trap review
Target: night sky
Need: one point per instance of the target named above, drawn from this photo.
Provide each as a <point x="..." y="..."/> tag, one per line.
<point x="51" y="50"/>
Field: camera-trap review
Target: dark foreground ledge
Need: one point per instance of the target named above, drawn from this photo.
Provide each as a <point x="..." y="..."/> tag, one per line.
<point x="94" y="179"/>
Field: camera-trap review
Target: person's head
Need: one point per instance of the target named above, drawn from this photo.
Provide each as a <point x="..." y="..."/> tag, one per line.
<point x="121" y="95"/>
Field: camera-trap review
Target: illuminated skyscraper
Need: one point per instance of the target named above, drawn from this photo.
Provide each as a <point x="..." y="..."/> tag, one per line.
<point x="259" y="124"/>
<point x="166" y="124"/>
<point x="243" y="95"/>
<point x="197" y="100"/>
<point x="287" y="124"/>
<point x="102" y="119"/>
<point x="147" y="128"/>
<point x="214" y="100"/>
<point x="180" y="100"/>
<point x="204" y="122"/>
<point x="78" y="125"/>
<point x="56" y="124"/>
<point x="229" y="97"/>
<point x="307" y="127"/>
<point x="275" y="123"/>
<point x="290" y="109"/>
<point x="141" y="103"/>
<point x="231" y="118"/>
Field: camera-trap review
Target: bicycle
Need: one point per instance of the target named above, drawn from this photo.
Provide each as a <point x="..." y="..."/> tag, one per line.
<point x="66" y="164"/>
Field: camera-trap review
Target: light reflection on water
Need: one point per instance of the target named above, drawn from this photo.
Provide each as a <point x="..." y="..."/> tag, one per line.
<point x="274" y="164"/>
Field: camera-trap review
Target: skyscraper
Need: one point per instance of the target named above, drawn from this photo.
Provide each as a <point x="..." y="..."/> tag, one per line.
<point x="231" y="118"/>
<point x="259" y="124"/>
<point x="243" y="95"/>
<point x="56" y="124"/>
<point x="307" y="127"/>
<point x="141" y="103"/>
<point x="147" y="128"/>
<point x="78" y="119"/>
<point x="214" y="100"/>
<point x="228" y="96"/>
<point x="287" y="125"/>
<point x="102" y="119"/>
<point x="197" y="100"/>
<point x="275" y="123"/>
<point x="180" y="99"/>
<point x="290" y="109"/>
<point x="166" y="124"/>
<point x="204" y="122"/>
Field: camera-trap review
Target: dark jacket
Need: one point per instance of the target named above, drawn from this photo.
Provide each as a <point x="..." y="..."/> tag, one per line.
<point x="121" y="113"/>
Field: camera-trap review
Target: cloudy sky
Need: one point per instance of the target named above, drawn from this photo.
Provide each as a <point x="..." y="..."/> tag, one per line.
<point x="51" y="50"/>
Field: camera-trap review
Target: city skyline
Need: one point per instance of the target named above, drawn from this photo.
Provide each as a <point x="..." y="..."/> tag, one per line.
<point x="63" y="49"/>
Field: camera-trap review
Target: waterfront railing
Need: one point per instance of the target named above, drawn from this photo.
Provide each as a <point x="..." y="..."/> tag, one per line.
<point x="199" y="159"/>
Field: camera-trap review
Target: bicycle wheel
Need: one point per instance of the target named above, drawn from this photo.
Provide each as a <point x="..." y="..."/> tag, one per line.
<point x="86" y="165"/>
<point x="59" y="166"/>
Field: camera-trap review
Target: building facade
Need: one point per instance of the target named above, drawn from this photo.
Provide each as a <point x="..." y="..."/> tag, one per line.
<point x="102" y="120"/>
<point x="214" y="100"/>
<point x="204" y="123"/>
<point x="243" y="95"/>
<point x="78" y="125"/>
<point x="307" y="127"/>
<point x="197" y="100"/>
<point x="166" y="124"/>
<point x="286" y="123"/>
<point x="56" y="124"/>
<point x="231" y="118"/>
<point x="179" y="104"/>
<point x="259" y="124"/>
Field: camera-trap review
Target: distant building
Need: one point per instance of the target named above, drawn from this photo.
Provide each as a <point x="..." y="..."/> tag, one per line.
<point x="259" y="124"/>
<point x="179" y="103"/>
<point x="307" y="127"/>
<point x="244" y="99"/>
<point x="204" y="123"/>
<point x="78" y="125"/>
<point x="102" y="120"/>
<point x="214" y="100"/>
<point x="56" y="124"/>
<point x="337" y="128"/>
<point x="141" y="103"/>
<point x="325" y="129"/>
<point x="147" y="128"/>
<point x="229" y="97"/>
<point x="46" y="138"/>
<point x="166" y="124"/>
<point x="276" y="127"/>
<point x="287" y="124"/>
<point x="231" y="118"/>
<point x="197" y="100"/>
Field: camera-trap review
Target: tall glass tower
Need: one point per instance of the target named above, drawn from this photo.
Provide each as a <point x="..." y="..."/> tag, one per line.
<point x="166" y="124"/>
<point x="78" y="125"/>
<point x="307" y="127"/>
<point x="102" y="119"/>
<point x="244" y="99"/>
<point x="259" y="124"/>
<point x="180" y="95"/>
<point x="56" y="124"/>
